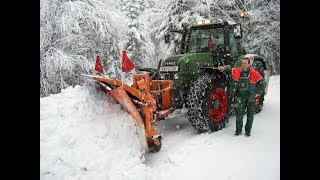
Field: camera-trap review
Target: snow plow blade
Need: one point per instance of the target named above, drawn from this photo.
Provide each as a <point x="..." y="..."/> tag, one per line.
<point x="120" y="95"/>
<point x="140" y="101"/>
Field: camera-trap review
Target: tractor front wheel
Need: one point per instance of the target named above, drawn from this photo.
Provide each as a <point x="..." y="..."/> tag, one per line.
<point x="209" y="104"/>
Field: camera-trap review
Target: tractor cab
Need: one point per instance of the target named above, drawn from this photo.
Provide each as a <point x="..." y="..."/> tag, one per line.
<point x="226" y="35"/>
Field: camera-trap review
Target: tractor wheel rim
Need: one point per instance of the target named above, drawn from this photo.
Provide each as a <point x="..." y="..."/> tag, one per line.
<point x="217" y="113"/>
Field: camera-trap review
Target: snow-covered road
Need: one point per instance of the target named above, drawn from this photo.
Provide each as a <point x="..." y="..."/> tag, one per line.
<point x="85" y="136"/>
<point x="186" y="154"/>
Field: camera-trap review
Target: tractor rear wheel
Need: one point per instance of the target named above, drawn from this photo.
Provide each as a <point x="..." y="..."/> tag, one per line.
<point x="209" y="104"/>
<point x="260" y="104"/>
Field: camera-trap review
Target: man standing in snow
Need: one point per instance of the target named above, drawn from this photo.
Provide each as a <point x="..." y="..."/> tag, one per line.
<point x="248" y="85"/>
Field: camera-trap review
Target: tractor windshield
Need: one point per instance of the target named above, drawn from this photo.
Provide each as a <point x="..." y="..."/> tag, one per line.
<point x="198" y="41"/>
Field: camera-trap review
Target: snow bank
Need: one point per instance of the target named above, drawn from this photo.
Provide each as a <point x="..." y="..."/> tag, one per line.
<point x="84" y="134"/>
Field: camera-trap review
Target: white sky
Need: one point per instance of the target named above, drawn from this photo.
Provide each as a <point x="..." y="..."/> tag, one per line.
<point x="84" y="134"/>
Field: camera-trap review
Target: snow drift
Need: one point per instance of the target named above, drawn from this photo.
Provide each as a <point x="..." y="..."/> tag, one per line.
<point x="84" y="134"/>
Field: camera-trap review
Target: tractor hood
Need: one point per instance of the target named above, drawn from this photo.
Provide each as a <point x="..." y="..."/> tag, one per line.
<point x="186" y="65"/>
<point x="177" y="59"/>
<point x="184" y="68"/>
<point x="172" y="61"/>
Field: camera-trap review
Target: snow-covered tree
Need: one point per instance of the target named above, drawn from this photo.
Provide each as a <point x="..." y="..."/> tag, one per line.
<point x="262" y="31"/>
<point x="139" y="45"/>
<point x="203" y="8"/>
<point x="168" y="16"/>
<point x="72" y="34"/>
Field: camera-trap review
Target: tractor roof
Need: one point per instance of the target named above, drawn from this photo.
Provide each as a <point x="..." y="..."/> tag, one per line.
<point x="210" y="22"/>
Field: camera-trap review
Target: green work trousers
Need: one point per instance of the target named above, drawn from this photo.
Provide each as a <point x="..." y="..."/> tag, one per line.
<point x="245" y="103"/>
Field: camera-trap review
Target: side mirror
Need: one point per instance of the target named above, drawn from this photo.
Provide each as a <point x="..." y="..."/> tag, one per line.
<point x="166" y="37"/>
<point x="238" y="32"/>
<point x="184" y="25"/>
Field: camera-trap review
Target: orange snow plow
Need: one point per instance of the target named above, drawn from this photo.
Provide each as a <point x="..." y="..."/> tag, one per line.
<point x="147" y="101"/>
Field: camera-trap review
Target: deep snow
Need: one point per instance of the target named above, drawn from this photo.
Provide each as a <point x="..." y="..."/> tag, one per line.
<point x="84" y="134"/>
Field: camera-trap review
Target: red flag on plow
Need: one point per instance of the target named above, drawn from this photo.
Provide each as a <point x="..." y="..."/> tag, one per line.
<point x="127" y="64"/>
<point x="98" y="66"/>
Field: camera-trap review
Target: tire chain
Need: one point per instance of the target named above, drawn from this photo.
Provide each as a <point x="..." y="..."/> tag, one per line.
<point x="195" y="102"/>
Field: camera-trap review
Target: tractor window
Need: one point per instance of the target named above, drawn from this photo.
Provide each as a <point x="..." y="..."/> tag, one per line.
<point x="198" y="41"/>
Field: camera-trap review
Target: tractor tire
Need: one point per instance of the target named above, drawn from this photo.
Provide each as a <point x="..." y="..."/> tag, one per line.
<point x="209" y="103"/>
<point x="260" y="104"/>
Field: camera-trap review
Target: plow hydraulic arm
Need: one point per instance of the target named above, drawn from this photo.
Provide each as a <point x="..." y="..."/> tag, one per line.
<point x="147" y="101"/>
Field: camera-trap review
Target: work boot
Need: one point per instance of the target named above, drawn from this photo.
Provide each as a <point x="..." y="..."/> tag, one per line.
<point x="248" y="134"/>
<point x="237" y="133"/>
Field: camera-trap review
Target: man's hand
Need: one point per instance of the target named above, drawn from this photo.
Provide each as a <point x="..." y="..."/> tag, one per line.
<point x="221" y="68"/>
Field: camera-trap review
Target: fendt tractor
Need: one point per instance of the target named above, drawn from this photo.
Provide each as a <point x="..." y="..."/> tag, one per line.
<point x="198" y="85"/>
<point x="190" y="79"/>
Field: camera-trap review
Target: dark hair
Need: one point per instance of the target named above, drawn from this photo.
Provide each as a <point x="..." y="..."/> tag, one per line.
<point x="246" y="58"/>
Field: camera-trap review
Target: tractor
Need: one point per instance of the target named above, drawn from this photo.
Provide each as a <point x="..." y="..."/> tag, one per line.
<point x="190" y="79"/>
<point x="198" y="85"/>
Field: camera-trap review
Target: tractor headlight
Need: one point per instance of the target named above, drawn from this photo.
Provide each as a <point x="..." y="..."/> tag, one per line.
<point x="161" y="76"/>
<point x="176" y="76"/>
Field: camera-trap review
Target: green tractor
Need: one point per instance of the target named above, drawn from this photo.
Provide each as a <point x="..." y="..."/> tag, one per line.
<point x="198" y="85"/>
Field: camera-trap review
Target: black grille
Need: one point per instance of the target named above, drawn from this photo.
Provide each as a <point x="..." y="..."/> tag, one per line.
<point x="167" y="76"/>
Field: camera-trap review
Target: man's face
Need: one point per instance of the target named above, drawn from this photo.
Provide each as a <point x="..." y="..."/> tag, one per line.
<point x="245" y="64"/>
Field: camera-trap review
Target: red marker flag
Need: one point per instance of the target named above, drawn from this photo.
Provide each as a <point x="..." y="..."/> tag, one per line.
<point x="98" y="66"/>
<point x="127" y="64"/>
